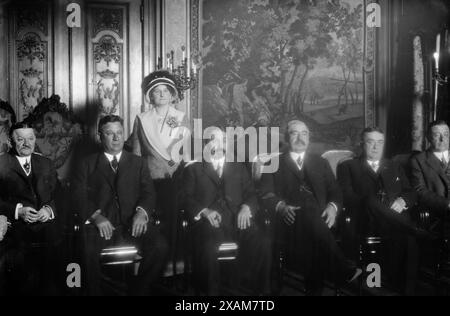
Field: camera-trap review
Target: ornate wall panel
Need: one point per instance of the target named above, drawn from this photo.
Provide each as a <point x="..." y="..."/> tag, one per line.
<point x="107" y="53"/>
<point x="30" y="43"/>
<point x="370" y="58"/>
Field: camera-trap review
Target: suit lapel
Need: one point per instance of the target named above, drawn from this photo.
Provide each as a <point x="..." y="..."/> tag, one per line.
<point x="208" y="169"/>
<point x="435" y="164"/>
<point x="36" y="167"/>
<point x="292" y="166"/>
<point x="17" y="168"/>
<point x="123" y="166"/>
<point x="386" y="173"/>
<point x="104" y="168"/>
<point x="310" y="167"/>
<point x="366" y="167"/>
<point x="227" y="171"/>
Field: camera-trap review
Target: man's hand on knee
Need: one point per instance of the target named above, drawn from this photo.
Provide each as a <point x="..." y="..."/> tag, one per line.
<point x="214" y="218"/>
<point x="288" y="213"/>
<point x="139" y="227"/>
<point x="104" y="226"/>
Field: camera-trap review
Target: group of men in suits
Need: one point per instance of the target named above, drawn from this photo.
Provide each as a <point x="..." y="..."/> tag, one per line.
<point x="114" y="192"/>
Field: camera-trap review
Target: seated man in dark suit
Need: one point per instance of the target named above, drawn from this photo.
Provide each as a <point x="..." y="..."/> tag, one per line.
<point x="305" y="196"/>
<point x="222" y="203"/>
<point x="378" y="194"/>
<point x="28" y="183"/>
<point x="3" y="226"/>
<point x="3" y="230"/>
<point x="114" y="192"/>
<point x="430" y="171"/>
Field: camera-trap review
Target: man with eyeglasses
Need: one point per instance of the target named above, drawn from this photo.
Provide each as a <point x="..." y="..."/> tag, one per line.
<point x="379" y="196"/>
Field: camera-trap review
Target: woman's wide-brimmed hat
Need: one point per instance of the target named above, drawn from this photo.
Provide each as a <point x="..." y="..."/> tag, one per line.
<point x="158" y="78"/>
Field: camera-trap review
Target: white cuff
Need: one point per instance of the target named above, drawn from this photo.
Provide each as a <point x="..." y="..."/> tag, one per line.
<point x="16" y="214"/>
<point x="334" y="205"/>
<point x="199" y="215"/>
<point x="140" y="209"/>
<point x="52" y="215"/>
<point x="279" y="205"/>
<point x="93" y="216"/>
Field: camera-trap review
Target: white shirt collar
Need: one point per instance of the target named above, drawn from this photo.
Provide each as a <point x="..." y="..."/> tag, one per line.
<point x="111" y="157"/>
<point x="23" y="160"/>
<point x="372" y="162"/>
<point x="295" y="156"/>
<point x="218" y="162"/>
<point x="444" y="154"/>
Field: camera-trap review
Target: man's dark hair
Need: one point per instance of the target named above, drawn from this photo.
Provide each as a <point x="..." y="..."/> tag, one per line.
<point x="109" y="119"/>
<point x="436" y="123"/>
<point x="17" y="126"/>
<point x="369" y="130"/>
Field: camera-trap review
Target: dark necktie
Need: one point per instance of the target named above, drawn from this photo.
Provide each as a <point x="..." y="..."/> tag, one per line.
<point x="219" y="170"/>
<point x="115" y="164"/>
<point x="27" y="167"/>
<point x="444" y="163"/>
<point x="300" y="162"/>
<point x="446" y="167"/>
<point x="374" y="166"/>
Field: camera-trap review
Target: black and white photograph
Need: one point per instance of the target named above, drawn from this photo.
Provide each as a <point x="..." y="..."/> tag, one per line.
<point x="224" y="154"/>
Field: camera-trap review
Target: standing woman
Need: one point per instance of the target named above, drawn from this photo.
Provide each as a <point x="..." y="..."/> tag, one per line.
<point x="154" y="135"/>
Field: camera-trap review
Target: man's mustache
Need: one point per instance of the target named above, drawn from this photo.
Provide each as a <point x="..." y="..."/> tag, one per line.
<point x="300" y="142"/>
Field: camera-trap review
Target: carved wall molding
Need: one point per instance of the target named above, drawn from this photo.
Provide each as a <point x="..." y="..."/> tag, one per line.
<point x="31" y="47"/>
<point x="370" y="45"/>
<point x="34" y="15"/>
<point x="108" y="67"/>
<point x="32" y="67"/>
<point x="30" y="41"/>
<point x="195" y="51"/>
<point x="108" y="20"/>
<point x="106" y="32"/>
<point x="107" y="50"/>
